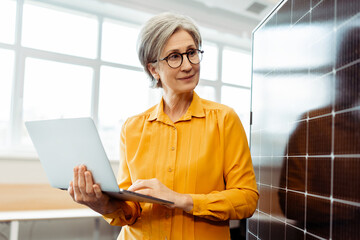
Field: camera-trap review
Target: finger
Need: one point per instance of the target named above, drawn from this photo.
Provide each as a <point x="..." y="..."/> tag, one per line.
<point x="145" y="191"/>
<point x="81" y="178"/>
<point x="76" y="181"/>
<point x="89" y="183"/>
<point x="97" y="190"/>
<point x="84" y="167"/>
<point x="76" y="170"/>
<point x="71" y="189"/>
<point x="139" y="184"/>
<point x="137" y="181"/>
<point x="141" y="181"/>
<point x="133" y="185"/>
<point x="154" y="181"/>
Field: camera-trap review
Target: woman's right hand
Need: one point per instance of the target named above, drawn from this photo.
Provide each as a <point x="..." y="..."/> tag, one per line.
<point x="83" y="190"/>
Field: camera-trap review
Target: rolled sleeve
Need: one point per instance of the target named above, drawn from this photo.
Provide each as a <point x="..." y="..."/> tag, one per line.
<point x="125" y="215"/>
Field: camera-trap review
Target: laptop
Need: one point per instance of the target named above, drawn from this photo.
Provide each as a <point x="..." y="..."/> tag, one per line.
<point x="63" y="144"/>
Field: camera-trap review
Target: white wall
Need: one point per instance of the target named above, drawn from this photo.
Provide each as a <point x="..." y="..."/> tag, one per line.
<point x="24" y="170"/>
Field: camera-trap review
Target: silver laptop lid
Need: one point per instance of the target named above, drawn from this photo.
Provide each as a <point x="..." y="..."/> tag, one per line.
<point x="63" y="144"/>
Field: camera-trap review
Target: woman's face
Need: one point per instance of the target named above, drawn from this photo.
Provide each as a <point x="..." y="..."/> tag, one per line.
<point x="184" y="78"/>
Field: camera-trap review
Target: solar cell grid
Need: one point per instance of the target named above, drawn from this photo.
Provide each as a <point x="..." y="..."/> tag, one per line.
<point x="305" y="135"/>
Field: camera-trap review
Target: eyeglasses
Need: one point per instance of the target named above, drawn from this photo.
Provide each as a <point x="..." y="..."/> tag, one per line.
<point x="174" y="60"/>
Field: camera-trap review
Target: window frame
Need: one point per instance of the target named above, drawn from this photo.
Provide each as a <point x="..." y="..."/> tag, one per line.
<point x="14" y="148"/>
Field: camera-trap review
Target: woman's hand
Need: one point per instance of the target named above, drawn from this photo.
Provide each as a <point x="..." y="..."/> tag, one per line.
<point x="154" y="188"/>
<point x="83" y="190"/>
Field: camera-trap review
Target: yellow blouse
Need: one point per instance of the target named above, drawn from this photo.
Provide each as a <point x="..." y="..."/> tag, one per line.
<point x="204" y="154"/>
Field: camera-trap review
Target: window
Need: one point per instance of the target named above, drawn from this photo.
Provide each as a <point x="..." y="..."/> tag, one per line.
<point x="119" y="43"/>
<point x="6" y="80"/>
<point x="206" y="92"/>
<point x="239" y="100"/>
<point x="63" y="71"/>
<point x="123" y="93"/>
<point x="55" y="90"/>
<point x="7" y="21"/>
<point x="236" y="67"/>
<point x="236" y="75"/>
<point x="209" y="63"/>
<point x="59" y="31"/>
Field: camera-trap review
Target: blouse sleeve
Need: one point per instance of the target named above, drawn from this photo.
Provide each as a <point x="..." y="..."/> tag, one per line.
<point x="239" y="199"/>
<point x="129" y="211"/>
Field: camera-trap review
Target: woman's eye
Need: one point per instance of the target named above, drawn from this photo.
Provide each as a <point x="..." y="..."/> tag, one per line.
<point x="191" y="52"/>
<point x="174" y="57"/>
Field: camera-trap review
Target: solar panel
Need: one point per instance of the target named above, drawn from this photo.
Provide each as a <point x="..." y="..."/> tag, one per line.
<point x="305" y="131"/>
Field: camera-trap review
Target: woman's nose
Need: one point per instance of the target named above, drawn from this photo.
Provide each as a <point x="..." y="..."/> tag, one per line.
<point x="186" y="64"/>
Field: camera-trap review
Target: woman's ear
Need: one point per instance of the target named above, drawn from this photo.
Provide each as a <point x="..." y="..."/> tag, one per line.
<point x="152" y="69"/>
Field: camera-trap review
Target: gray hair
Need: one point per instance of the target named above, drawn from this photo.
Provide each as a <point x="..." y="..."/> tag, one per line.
<point x="156" y="32"/>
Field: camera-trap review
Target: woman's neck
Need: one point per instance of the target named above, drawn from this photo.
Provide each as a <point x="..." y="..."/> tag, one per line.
<point x="176" y="105"/>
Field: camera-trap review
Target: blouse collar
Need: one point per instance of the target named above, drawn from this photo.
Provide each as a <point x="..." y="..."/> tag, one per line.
<point x="195" y="109"/>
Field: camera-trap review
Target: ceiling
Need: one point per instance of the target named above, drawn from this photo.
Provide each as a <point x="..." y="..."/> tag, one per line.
<point x="255" y="9"/>
<point x="237" y="18"/>
<point x="227" y="21"/>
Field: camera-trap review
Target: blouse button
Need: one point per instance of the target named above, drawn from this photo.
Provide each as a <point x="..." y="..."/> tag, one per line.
<point x="172" y="148"/>
<point x="169" y="169"/>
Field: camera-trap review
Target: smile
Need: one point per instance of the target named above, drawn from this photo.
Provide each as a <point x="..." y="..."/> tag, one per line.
<point x="186" y="78"/>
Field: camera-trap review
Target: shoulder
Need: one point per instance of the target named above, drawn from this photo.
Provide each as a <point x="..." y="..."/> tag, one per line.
<point x="139" y="120"/>
<point x="221" y="110"/>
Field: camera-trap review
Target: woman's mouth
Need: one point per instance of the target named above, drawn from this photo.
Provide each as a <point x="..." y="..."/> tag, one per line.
<point x="186" y="77"/>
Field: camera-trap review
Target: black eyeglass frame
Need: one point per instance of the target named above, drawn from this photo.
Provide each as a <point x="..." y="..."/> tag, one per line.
<point x="182" y="58"/>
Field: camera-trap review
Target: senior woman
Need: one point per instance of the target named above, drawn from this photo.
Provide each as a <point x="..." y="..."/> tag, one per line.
<point x="187" y="150"/>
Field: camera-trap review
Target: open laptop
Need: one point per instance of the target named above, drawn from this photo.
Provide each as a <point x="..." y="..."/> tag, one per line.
<point x="63" y="144"/>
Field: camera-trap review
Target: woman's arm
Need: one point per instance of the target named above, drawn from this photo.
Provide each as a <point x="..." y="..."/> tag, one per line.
<point x="153" y="187"/>
<point x="239" y="199"/>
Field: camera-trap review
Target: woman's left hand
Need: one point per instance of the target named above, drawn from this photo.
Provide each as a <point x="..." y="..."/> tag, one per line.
<point x="154" y="188"/>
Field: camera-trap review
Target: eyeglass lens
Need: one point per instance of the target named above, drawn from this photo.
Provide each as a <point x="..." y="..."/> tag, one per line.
<point x="175" y="59"/>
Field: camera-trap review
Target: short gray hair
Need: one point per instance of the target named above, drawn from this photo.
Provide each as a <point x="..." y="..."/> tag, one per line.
<point x="156" y="32"/>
